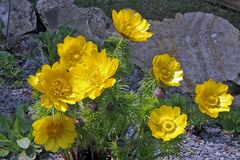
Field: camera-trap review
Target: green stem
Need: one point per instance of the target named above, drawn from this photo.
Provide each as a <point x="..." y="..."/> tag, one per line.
<point x="53" y="113"/>
<point x="115" y="52"/>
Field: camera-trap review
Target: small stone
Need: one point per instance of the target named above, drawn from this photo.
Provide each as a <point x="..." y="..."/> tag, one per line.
<point x="188" y="154"/>
<point x="217" y="153"/>
<point x="238" y="154"/>
<point x="131" y="131"/>
<point x="211" y="144"/>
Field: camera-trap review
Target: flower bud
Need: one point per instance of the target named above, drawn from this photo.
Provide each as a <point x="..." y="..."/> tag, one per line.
<point x="111" y="107"/>
<point x="92" y="106"/>
<point x="120" y="142"/>
<point x="159" y="92"/>
<point x="79" y="122"/>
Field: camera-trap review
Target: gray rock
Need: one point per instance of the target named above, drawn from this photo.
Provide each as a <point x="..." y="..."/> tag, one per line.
<point x="90" y="22"/>
<point x="206" y="45"/>
<point x="22" y="19"/>
<point x="236" y="101"/>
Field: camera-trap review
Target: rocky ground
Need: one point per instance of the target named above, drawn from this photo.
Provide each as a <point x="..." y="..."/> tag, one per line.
<point x="11" y="93"/>
<point x="211" y="142"/>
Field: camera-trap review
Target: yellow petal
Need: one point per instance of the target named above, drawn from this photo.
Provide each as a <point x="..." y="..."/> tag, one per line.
<point x="94" y="93"/>
<point x="61" y="106"/>
<point x="166" y="111"/>
<point x="156" y="131"/>
<point x="41" y="137"/>
<point x="62" y="141"/>
<point x="226" y="99"/>
<point x="181" y="121"/>
<point x="46" y="101"/>
<point x="176" y="111"/>
<point x="49" y="145"/>
<point x="109" y="83"/>
<point x="115" y="19"/>
<point x="37" y="124"/>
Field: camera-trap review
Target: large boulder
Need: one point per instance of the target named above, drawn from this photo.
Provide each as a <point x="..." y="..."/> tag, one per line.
<point x="90" y="22"/>
<point x="206" y="45"/>
<point x="22" y="19"/>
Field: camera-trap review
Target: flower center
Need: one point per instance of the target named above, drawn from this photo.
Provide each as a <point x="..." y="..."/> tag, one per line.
<point x="166" y="74"/>
<point x="61" y="88"/>
<point x="76" y="57"/>
<point x="95" y="78"/>
<point x="169" y="125"/>
<point x="212" y="101"/>
<point x="54" y="129"/>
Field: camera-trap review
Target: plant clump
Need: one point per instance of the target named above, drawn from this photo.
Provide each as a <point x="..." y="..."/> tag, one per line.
<point x="83" y="102"/>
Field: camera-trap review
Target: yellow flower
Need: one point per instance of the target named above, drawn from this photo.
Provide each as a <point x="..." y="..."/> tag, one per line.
<point x="54" y="132"/>
<point x="131" y="25"/>
<point x="167" y="123"/>
<point x="212" y="98"/>
<point x="55" y="85"/>
<point x="167" y="70"/>
<point x="92" y="76"/>
<point x="72" y="49"/>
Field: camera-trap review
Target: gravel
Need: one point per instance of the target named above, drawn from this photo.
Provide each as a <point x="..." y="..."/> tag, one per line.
<point x="11" y="94"/>
<point x="212" y="143"/>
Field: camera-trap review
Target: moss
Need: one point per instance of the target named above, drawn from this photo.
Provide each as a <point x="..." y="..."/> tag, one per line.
<point x="159" y="9"/>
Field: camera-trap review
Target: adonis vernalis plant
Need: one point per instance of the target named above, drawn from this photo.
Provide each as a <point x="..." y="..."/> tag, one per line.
<point x="167" y="122"/>
<point x="55" y="85"/>
<point x="93" y="108"/>
<point x="54" y="132"/>
<point x="72" y="49"/>
<point x="212" y="98"/>
<point x="167" y="70"/>
<point x="94" y="74"/>
<point x="131" y="25"/>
